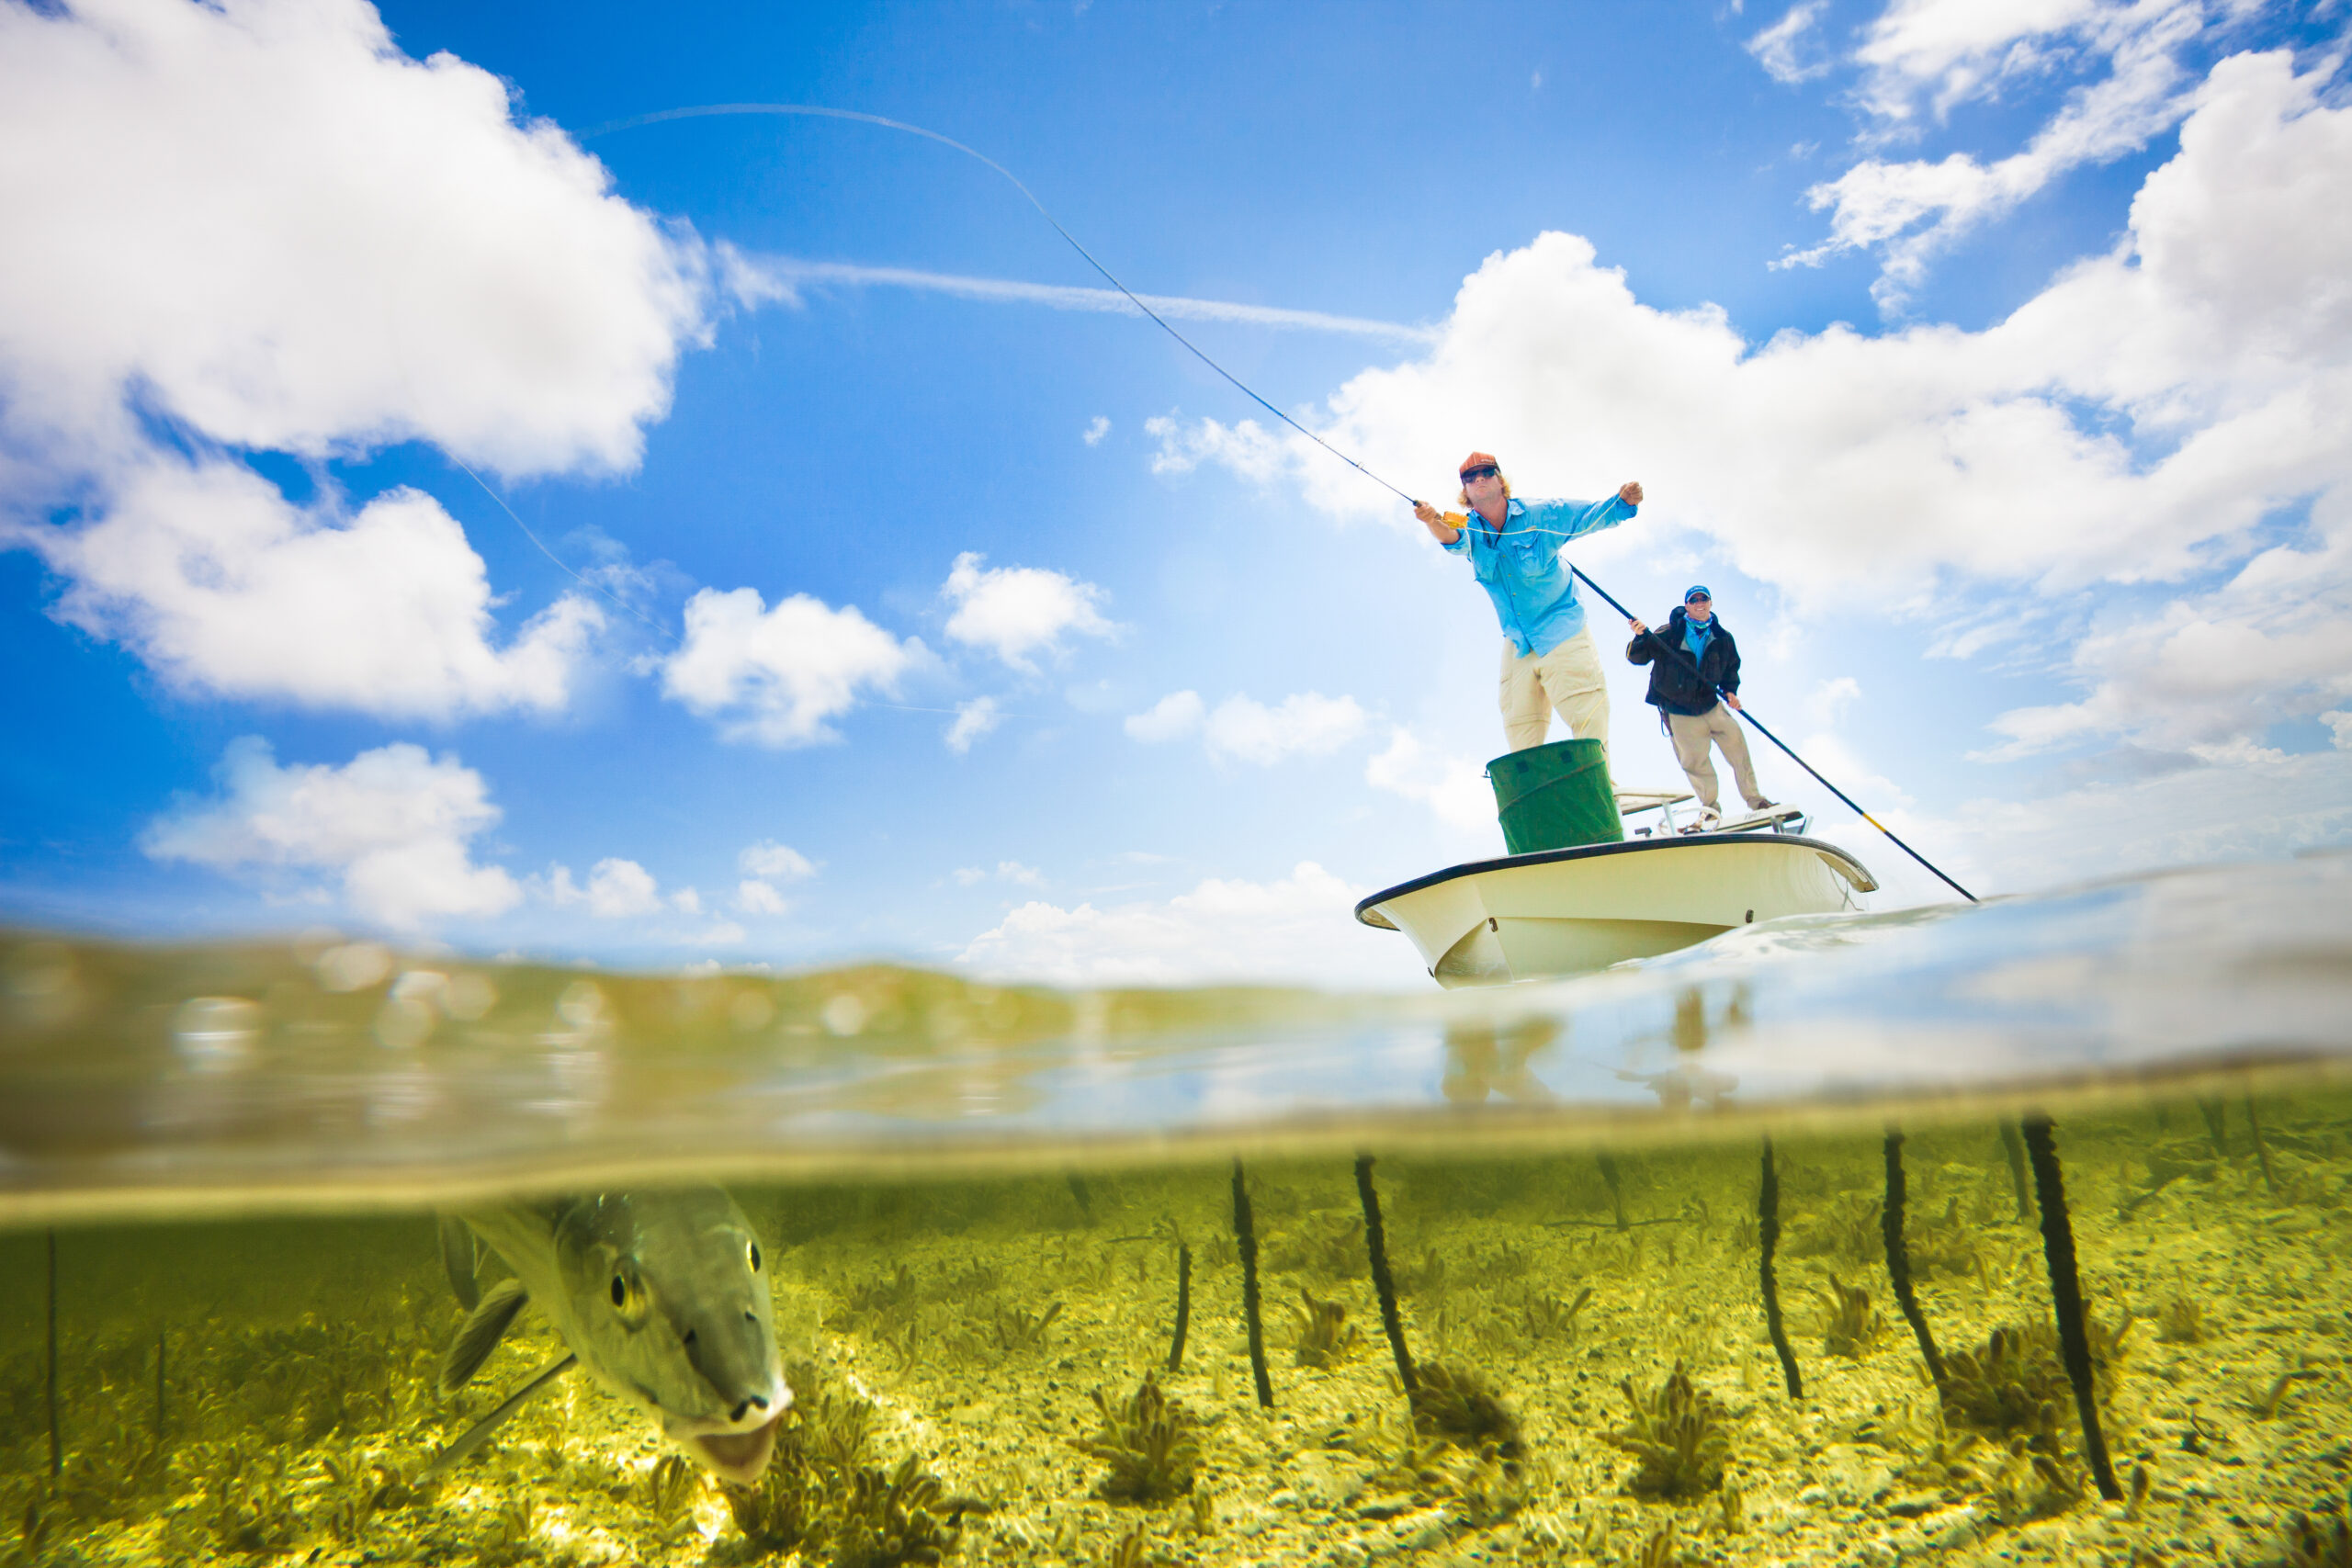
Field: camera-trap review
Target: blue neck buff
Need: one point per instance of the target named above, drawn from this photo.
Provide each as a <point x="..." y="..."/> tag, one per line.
<point x="1696" y="634"/>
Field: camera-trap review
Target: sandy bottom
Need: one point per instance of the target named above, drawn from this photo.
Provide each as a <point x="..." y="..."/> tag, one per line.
<point x="297" y="1410"/>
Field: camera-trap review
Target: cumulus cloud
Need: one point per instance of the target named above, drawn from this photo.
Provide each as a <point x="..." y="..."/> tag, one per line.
<point x="1096" y="431"/>
<point x="1015" y="611"/>
<point x="394" y="825"/>
<point x="1453" y="788"/>
<point x="972" y="719"/>
<point x="2192" y="815"/>
<point x="285" y="234"/>
<point x="1307" y="723"/>
<point x="777" y="676"/>
<point x="209" y="574"/>
<point x="756" y="897"/>
<point x="1299" y="928"/>
<point x="261" y="225"/>
<point x="1242" y="728"/>
<point x="764" y="865"/>
<point x="1946" y="52"/>
<point x="617" y="889"/>
<point x="775" y="861"/>
<point x="1172" y="717"/>
<point x="2156" y="414"/>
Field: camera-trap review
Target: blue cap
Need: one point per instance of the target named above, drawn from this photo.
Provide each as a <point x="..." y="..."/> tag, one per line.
<point x="1697" y="591"/>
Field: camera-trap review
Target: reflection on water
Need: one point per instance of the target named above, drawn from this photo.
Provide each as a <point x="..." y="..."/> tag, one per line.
<point x="330" y="1071"/>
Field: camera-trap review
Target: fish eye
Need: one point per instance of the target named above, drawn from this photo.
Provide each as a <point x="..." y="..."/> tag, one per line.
<point x="755" y="1257"/>
<point x="630" y="1303"/>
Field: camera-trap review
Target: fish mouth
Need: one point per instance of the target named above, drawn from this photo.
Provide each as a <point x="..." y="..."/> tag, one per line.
<point x="739" y="1457"/>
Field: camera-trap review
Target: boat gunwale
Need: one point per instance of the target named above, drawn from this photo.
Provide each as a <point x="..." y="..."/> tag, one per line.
<point x="1591" y="852"/>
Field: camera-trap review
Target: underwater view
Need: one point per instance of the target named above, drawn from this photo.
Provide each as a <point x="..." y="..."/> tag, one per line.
<point x="2010" y="1233"/>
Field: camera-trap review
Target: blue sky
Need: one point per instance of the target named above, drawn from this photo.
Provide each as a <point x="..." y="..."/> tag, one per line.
<point x="1989" y="362"/>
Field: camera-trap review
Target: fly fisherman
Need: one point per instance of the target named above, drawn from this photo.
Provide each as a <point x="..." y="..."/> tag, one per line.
<point x="1549" y="660"/>
<point x="1691" y="657"/>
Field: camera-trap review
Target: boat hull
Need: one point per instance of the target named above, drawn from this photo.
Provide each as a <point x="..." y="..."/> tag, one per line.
<point x="1571" y="912"/>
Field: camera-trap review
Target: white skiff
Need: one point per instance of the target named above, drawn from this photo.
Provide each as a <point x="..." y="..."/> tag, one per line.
<point x="1570" y="911"/>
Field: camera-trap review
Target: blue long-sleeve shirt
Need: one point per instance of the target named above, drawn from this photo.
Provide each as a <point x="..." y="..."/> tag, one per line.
<point x="1519" y="565"/>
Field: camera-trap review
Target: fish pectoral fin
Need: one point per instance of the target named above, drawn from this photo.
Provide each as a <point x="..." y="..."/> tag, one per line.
<point x="479" y="1433"/>
<point x="458" y="1258"/>
<point x="480" y="1335"/>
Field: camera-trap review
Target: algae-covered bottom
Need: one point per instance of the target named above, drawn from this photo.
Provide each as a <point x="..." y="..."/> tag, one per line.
<point x="982" y="1368"/>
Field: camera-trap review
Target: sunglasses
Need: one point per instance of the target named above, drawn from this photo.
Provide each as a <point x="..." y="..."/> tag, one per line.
<point x="1484" y="471"/>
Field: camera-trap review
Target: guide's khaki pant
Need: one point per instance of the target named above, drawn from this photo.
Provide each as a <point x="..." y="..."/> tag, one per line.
<point x="1568" y="678"/>
<point x="1692" y="739"/>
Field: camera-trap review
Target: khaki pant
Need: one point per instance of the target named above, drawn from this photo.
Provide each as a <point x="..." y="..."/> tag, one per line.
<point x="1568" y="678"/>
<point x="1692" y="740"/>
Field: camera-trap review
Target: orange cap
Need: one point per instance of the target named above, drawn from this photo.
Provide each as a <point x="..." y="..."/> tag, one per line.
<point x="1476" y="460"/>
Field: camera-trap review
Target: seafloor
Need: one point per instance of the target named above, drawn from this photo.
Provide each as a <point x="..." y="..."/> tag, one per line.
<point x="971" y="1361"/>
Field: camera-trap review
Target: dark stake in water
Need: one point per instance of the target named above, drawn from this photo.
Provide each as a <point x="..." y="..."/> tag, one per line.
<point x="2058" y="1198"/>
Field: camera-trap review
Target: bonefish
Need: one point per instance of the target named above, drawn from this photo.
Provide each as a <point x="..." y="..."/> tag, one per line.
<point x="662" y="1296"/>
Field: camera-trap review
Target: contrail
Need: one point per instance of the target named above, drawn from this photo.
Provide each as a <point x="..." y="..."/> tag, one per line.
<point x="753" y="279"/>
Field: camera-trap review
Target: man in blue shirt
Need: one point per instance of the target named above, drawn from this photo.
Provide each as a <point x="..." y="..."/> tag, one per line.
<point x="1549" y="660"/>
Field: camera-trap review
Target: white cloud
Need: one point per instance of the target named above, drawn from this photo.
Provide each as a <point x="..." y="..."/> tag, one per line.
<point x="1454" y="787"/>
<point x="261" y="225"/>
<point x="618" y="888"/>
<point x="1955" y="49"/>
<point x="1830" y="699"/>
<point x="1299" y="928"/>
<point x="775" y="862"/>
<point x="1246" y="448"/>
<point x="214" y="579"/>
<point x="1779" y="48"/>
<point x="2273" y="643"/>
<point x="1241" y="729"/>
<point x="394" y="825"/>
<point x="2257" y="807"/>
<point x="2339" y="725"/>
<point x="1011" y="871"/>
<point x="1307" y="723"/>
<point x="1948" y="51"/>
<point x="1172" y="717"/>
<point x="756" y="897"/>
<point x="687" y="901"/>
<point x="1015" y="610"/>
<point x="287" y="234"/>
<point x="776" y="676"/>
<point x="2133" y="425"/>
<point x="1095" y="432"/>
<point x="972" y="719"/>
<point x="755" y="280"/>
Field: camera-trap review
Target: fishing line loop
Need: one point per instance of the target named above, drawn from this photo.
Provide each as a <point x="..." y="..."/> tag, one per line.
<point x="821" y="111"/>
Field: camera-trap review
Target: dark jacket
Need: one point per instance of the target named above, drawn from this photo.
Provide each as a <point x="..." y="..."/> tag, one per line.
<point x="1674" y="686"/>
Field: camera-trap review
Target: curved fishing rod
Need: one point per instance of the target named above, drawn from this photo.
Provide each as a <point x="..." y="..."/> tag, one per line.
<point x="822" y="112"/>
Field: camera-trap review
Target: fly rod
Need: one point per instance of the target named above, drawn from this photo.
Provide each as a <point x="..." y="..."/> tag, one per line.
<point x="1201" y="354"/>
